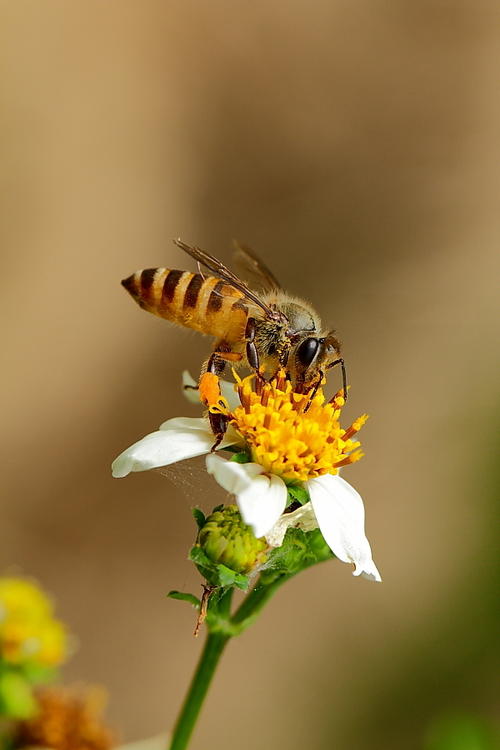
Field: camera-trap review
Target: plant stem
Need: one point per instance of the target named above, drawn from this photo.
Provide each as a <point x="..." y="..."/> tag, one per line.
<point x="214" y="646"/>
<point x="256" y="599"/>
<point x="212" y="651"/>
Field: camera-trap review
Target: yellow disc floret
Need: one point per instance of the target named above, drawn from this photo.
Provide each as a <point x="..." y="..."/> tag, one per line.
<point x="296" y="436"/>
<point x="29" y="633"/>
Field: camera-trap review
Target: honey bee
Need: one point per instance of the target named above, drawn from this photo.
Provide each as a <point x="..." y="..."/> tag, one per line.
<point x="266" y="330"/>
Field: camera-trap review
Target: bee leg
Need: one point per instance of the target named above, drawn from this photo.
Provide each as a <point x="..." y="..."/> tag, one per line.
<point x="210" y="392"/>
<point x="218" y="423"/>
<point x="284" y="355"/>
<point x="210" y="395"/>
<point x="314" y="389"/>
<point x="251" y="350"/>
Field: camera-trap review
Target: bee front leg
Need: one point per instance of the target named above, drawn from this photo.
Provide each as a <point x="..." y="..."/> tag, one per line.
<point x="313" y="391"/>
<point x="340" y="361"/>
<point x="251" y="350"/>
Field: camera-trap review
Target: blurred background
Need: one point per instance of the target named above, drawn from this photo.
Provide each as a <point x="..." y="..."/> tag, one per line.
<point x="355" y="146"/>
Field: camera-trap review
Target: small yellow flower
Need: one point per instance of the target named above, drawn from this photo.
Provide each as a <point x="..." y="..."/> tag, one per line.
<point x="29" y="633"/>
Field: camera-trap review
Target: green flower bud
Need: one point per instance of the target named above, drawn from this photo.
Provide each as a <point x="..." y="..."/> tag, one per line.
<point x="226" y="539"/>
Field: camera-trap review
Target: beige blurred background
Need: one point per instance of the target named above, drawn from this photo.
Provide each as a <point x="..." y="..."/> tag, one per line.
<point x="355" y="146"/>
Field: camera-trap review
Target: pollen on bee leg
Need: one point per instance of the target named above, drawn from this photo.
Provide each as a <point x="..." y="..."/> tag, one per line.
<point x="209" y="389"/>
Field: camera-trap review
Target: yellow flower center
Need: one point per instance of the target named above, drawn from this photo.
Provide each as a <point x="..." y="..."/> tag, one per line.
<point x="296" y="436"/>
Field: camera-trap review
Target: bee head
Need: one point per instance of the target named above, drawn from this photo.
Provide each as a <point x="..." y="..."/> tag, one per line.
<point x="314" y="355"/>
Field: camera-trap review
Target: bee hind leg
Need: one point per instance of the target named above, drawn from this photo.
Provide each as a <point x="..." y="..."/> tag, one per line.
<point x="210" y="393"/>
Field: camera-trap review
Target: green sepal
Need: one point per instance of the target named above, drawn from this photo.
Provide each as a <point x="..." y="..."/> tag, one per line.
<point x="233" y="448"/>
<point x="300" y="550"/>
<point x="16" y="696"/>
<point x="185" y="597"/>
<point x="199" y="517"/>
<point x="217" y="574"/>
<point x="297" y="493"/>
<point x="229" y="577"/>
<point x="242" y="457"/>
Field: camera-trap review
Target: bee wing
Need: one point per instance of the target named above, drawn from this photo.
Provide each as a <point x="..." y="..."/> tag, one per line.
<point x="253" y="269"/>
<point x="219" y="269"/>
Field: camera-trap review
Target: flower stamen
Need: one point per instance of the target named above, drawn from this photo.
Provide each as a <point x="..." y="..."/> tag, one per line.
<point x="293" y="435"/>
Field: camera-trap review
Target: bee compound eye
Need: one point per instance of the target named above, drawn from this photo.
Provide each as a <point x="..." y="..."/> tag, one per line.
<point x="307" y="351"/>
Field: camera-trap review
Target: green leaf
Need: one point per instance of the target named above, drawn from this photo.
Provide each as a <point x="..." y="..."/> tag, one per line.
<point x="184" y="597"/>
<point x="199" y="517"/>
<point x="242" y="457"/>
<point x="198" y="556"/>
<point x="297" y="493"/>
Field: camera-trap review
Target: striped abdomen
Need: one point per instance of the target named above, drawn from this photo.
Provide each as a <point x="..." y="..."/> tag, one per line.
<point x="203" y="303"/>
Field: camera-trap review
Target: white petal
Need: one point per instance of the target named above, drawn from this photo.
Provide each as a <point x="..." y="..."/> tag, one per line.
<point x="340" y="514"/>
<point x="201" y="424"/>
<point x="190" y="388"/>
<point x="162" y="448"/>
<point x="302" y="518"/>
<point x="189" y="424"/>
<point x="234" y="477"/>
<point x="228" y="392"/>
<point x="261" y="498"/>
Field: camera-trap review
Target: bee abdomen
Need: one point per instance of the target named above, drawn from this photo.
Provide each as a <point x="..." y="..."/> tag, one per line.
<point x="203" y="303"/>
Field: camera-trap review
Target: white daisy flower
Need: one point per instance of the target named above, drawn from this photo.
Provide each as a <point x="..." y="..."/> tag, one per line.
<point x="291" y="439"/>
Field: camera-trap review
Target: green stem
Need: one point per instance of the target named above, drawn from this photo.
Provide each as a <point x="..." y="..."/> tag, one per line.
<point x="214" y="646"/>
<point x="252" y="604"/>
<point x="212" y="651"/>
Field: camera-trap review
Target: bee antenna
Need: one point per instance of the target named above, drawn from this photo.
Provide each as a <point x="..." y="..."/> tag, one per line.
<point x="344" y="379"/>
<point x="340" y="362"/>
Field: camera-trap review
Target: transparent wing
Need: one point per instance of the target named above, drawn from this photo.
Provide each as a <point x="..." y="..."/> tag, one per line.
<point x="253" y="269"/>
<point x="219" y="269"/>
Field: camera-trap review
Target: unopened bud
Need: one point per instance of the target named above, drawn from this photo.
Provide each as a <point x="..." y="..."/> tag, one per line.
<point x="226" y="539"/>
